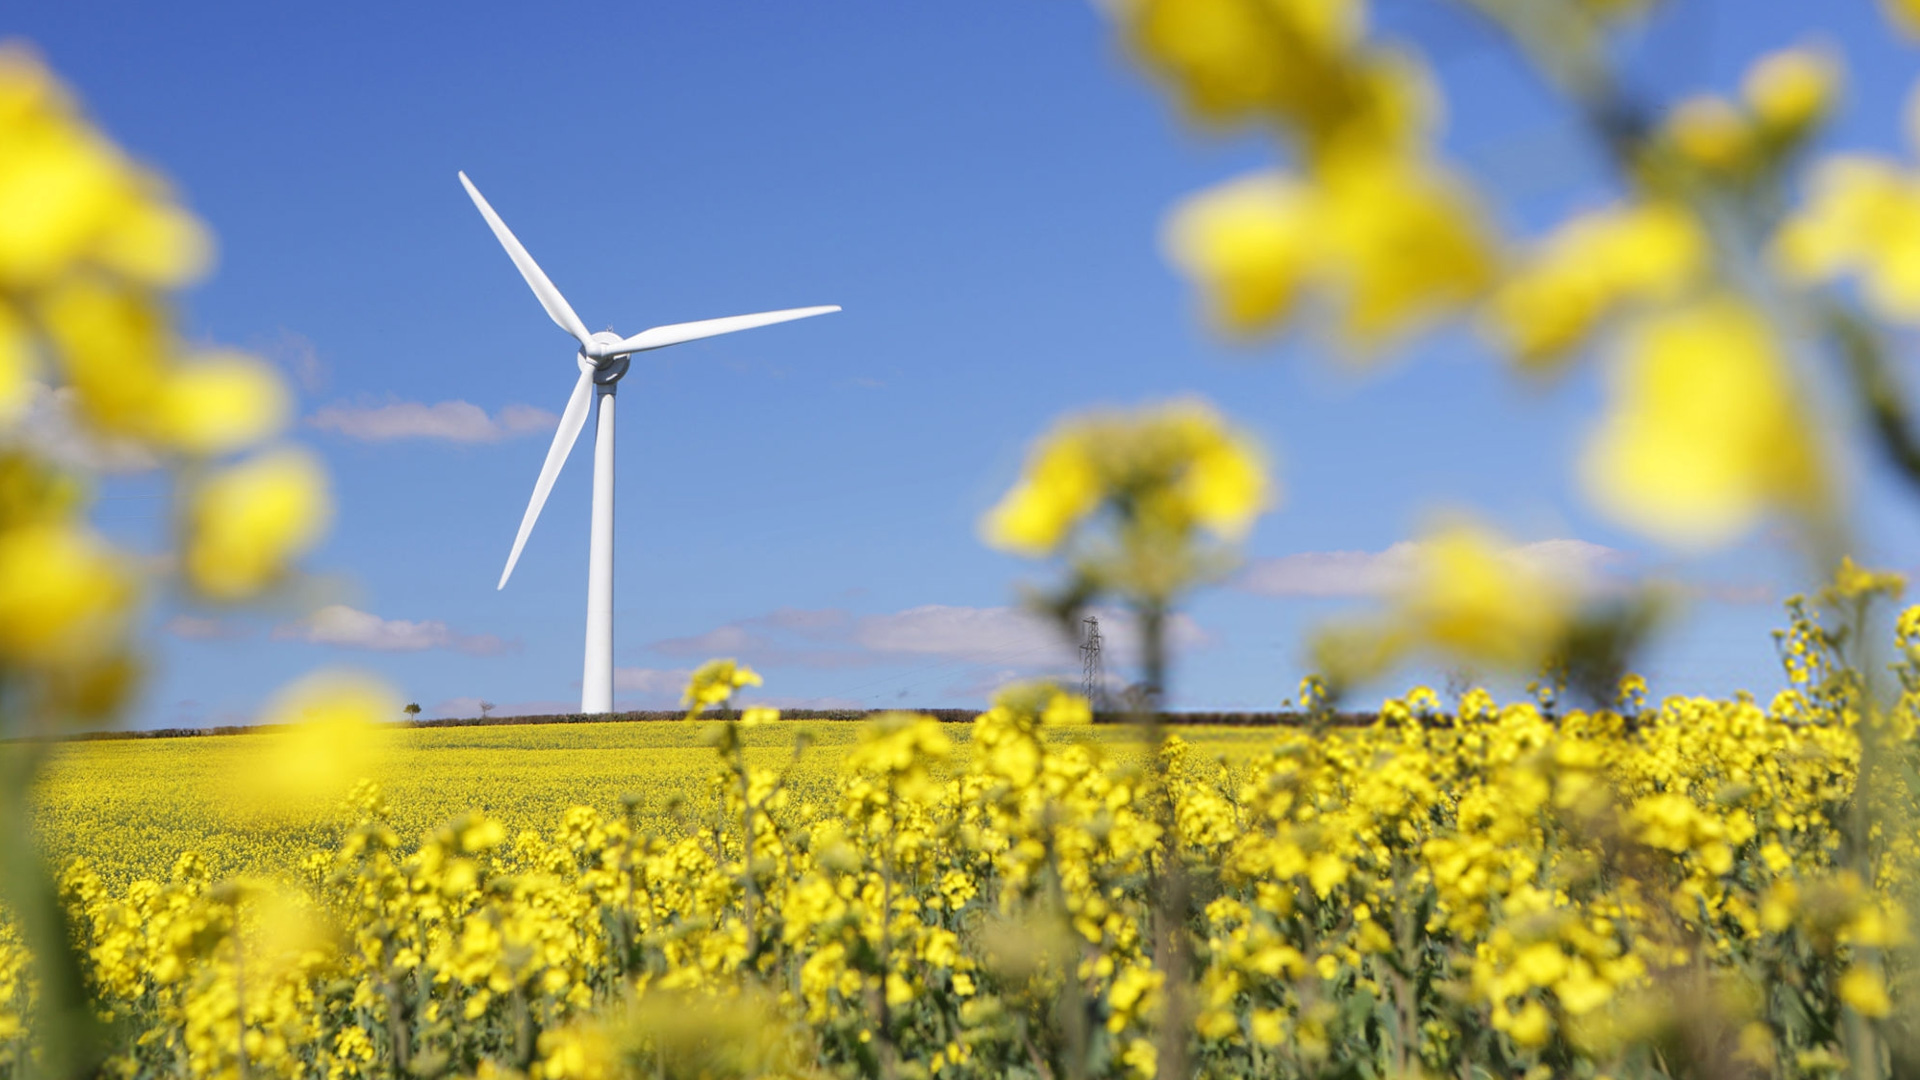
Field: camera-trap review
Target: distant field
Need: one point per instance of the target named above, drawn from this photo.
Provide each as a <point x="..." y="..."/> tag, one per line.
<point x="133" y="806"/>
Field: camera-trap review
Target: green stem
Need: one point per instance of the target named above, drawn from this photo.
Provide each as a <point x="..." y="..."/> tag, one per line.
<point x="71" y="1036"/>
<point x="1172" y="949"/>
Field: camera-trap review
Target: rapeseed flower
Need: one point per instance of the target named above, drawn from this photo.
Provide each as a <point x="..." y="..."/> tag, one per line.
<point x="63" y="594"/>
<point x="1710" y="132"/>
<point x="68" y="197"/>
<point x="1862" y="217"/>
<point x="219" y="403"/>
<point x="1592" y="267"/>
<point x="1386" y="240"/>
<point x="17" y="361"/>
<point x="246" y="523"/>
<point x="327" y="736"/>
<point x="1250" y="245"/>
<point x="1865" y="991"/>
<point x="1705" y="429"/>
<point x="1234" y="60"/>
<point x="1469" y="597"/>
<point x="1791" y="91"/>
<point x="713" y="684"/>
<point x="1160" y="474"/>
<point x="1905" y="14"/>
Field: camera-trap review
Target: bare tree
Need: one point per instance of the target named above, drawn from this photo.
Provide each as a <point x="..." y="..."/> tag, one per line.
<point x="486" y="709"/>
<point x="1460" y="680"/>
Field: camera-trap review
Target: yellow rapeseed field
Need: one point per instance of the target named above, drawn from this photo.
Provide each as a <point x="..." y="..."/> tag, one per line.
<point x="132" y="807"/>
<point x="1493" y="889"/>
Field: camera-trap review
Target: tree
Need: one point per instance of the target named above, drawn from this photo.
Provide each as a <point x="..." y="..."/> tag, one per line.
<point x="412" y="710"/>
<point x="486" y="709"/>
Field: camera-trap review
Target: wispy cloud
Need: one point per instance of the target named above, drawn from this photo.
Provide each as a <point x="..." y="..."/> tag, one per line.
<point x="1007" y="637"/>
<point x="205" y="628"/>
<point x="340" y="625"/>
<point x="1374" y="573"/>
<point x="48" y="424"/>
<point x="651" y="681"/>
<point x="296" y="354"/>
<point x="452" y="421"/>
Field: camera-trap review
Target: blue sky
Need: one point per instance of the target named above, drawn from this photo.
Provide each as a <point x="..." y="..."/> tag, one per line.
<point x="981" y="186"/>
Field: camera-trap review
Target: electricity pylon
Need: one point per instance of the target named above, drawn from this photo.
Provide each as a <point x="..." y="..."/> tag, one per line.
<point x="1093" y="675"/>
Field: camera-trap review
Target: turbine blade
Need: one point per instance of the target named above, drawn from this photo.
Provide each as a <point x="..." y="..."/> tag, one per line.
<point x="571" y="421"/>
<point x="674" y="334"/>
<point x="550" y="298"/>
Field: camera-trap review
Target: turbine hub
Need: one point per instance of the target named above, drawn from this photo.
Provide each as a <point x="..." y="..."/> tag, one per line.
<point x="599" y="346"/>
<point x="605" y="372"/>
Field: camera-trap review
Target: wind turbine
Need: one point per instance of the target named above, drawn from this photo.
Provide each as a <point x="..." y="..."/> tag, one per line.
<point x="602" y="358"/>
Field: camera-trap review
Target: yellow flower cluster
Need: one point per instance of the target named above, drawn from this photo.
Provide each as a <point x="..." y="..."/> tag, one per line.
<point x="1482" y="890"/>
<point x="714" y="683"/>
<point x="1708" y="426"/>
<point x="90" y="243"/>
<point x="1370" y="227"/>
<point x="1162" y="474"/>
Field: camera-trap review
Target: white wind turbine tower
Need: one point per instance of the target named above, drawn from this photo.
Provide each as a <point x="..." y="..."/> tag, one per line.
<point x="602" y="359"/>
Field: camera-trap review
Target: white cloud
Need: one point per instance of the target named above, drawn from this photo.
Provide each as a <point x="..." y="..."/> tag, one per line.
<point x="719" y="641"/>
<point x="338" y="624"/>
<point x="1011" y="636"/>
<point x="1006" y="637"/>
<point x="652" y="681"/>
<point x="1375" y="573"/>
<point x="48" y="424"/>
<point x="297" y="354"/>
<point x="453" y="421"/>
<point x="202" y="628"/>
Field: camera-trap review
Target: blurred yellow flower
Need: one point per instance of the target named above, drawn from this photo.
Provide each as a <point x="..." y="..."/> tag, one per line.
<point x="1531" y="1026"/>
<point x="1061" y="486"/>
<point x="1862" y="216"/>
<point x="1589" y="267"/>
<point x="1864" y="989"/>
<point x="1406" y="243"/>
<point x="63" y="594"/>
<point x="714" y="682"/>
<point x="1248" y="244"/>
<point x="759" y="715"/>
<point x="1388" y="240"/>
<point x="1791" y="90"/>
<point x="1066" y="709"/>
<point x="245" y="524"/>
<point x="328" y="737"/>
<point x="1711" y="133"/>
<point x="1904" y="14"/>
<point x="1853" y="581"/>
<point x="1237" y="59"/>
<point x="1165" y="469"/>
<point x="1704" y="431"/>
<point x="113" y="344"/>
<point x="1225" y="484"/>
<point x="220" y="403"/>
<point x="1470" y="597"/>
<point x="67" y="196"/>
<point x="16" y="361"/>
<point x="1616" y="9"/>
<point x="901" y="748"/>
